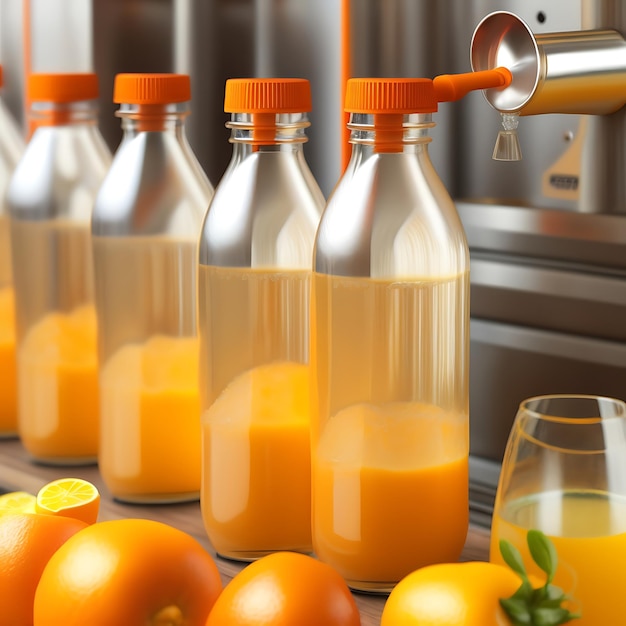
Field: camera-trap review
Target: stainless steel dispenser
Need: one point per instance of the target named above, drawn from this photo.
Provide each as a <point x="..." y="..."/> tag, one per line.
<point x="565" y="72"/>
<point x="581" y="72"/>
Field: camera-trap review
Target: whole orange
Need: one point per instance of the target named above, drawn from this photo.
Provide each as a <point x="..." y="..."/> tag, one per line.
<point x="128" y="572"/>
<point x="451" y="594"/>
<point x="27" y="541"/>
<point x="285" y="589"/>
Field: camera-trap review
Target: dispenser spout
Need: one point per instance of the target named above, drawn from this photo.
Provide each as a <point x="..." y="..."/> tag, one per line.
<point x="507" y="146"/>
<point x="451" y="87"/>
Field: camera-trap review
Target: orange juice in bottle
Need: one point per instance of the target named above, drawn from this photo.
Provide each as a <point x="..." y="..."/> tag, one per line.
<point x="50" y="197"/>
<point x="389" y="349"/>
<point x="254" y="279"/>
<point x="11" y="148"/>
<point x="145" y="226"/>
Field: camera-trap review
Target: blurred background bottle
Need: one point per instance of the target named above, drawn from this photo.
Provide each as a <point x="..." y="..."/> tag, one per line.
<point x="254" y="278"/>
<point x="11" y="149"/>
<point x="389" y="349"/>
<point x="146" y="225"/>
<point x="50" y="197"/>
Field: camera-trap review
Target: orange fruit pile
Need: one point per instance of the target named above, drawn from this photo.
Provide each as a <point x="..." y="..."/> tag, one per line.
<point x="122" y="572"/>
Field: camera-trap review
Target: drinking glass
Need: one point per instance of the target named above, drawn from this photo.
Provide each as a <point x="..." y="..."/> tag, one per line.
<point x="564" y="473"/>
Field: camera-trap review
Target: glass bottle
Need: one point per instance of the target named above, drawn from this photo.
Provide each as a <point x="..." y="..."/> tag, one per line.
<point x="146" y="224"/>
<point x="11" y="149"/>
<point x="389" y="349"/>
<point x="255" y="265"/>
<point x="50" y="197"/>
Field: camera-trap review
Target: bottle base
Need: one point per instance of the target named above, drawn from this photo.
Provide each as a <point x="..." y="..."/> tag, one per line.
<point x="157" y="498"/>
<point x="64" y="461"/>
<point x="247" y="556"/>
<point x="372" y="588"/>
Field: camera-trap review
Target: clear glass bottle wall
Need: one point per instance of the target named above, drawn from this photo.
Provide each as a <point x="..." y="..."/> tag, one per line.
<point x="146" y="224"/>
<point x="11" y="149"/>
<point x="254" y="278"/>
<point x="389" y="349"/>
<point x="50" y="198"/>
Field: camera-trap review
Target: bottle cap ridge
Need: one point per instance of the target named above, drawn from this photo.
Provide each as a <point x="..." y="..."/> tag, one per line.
<point x="63" y="87"/>
<point x="151" y="88"/>
<point x="267" y="95"/>
<point x="390" y="95"/>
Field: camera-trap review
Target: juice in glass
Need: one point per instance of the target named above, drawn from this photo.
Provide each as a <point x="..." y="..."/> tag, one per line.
<point x="152" y="407"/>
<point x="8" y="368"/>
<point x="257" y="435"/>
<point x="58" y="387"/>
<point x="390" y="474"/>
<point x="57" y="341"/>
<point x="256" y="487"/>
<point x="390" y="494"/>
<point x="588" y="529"/>
<point x="150" y="444"/>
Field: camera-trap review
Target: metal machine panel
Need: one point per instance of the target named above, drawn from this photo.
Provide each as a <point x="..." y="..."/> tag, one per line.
<point x="510" y="363"/>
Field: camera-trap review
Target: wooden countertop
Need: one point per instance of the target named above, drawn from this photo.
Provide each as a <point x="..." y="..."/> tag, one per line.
<point x="18" y="473"/>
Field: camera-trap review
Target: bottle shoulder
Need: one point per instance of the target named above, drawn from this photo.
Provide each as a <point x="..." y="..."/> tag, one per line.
<point x="11" y="151"/>
<point x="265" y="212"/>
<point x="12" y="142"/>
<point x="59" y="174"/>
<point x="154" y="186"/>
<point x="261" y="181"/>
<point x="391" y="216"/>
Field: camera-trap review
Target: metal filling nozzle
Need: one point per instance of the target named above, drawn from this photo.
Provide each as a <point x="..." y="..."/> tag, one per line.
<point x="507" y="146"/>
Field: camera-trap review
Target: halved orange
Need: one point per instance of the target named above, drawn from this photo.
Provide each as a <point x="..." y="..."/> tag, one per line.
<point x="70" y="497"/>
<point x="17" y="502"/>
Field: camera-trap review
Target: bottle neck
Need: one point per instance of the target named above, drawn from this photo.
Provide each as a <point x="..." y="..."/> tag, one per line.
<point x="137" y="118"/>
<point x="84" y="112"/>
<point x="268" y="130"/>
<point x="389" y="132"/>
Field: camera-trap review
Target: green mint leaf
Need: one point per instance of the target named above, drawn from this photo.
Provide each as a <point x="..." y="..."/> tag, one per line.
<point x="517" y="611"/>
<point x="513" y="558"/>
<point x="550" y="617"/>
<point x="543" y="552"/>
<point x="529" y="606"/>
<point x="539" y="595"/>
<point x="547" y="596"/>
<point x="553" y="595"/>
<point x="524" y="592"/>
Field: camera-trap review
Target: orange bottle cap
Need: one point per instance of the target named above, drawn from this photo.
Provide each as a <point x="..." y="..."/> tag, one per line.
<point x="390" y="95"/>
<point x="151" y="88"/>
<point x="62" y="87"/>
<point x="267" y="95"/>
